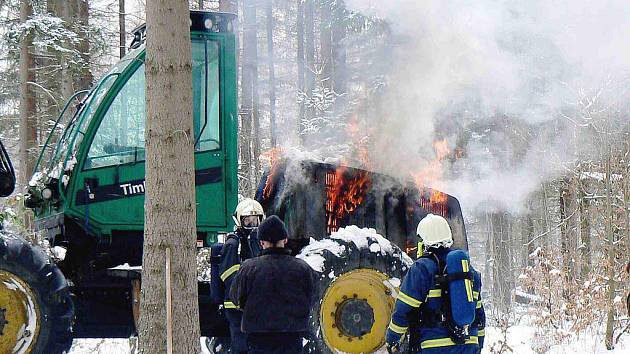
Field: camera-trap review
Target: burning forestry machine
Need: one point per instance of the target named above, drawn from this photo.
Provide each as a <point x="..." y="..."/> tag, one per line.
<point x="87" y="194"/>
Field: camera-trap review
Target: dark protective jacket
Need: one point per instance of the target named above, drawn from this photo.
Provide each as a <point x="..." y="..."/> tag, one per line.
<point x="237" y="248"/>
<point x="275" y="291"/>
<point x="419" y="295"/>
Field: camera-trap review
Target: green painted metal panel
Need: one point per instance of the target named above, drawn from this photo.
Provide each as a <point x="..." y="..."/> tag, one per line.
<point x="106" y="188"/>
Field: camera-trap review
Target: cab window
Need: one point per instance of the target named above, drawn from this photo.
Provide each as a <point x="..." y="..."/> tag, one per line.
<point x="205" y="73"/>
<point x="120" y="136"/>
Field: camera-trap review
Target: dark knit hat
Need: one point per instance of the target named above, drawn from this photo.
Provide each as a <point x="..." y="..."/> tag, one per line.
<point x="272" y="230"/>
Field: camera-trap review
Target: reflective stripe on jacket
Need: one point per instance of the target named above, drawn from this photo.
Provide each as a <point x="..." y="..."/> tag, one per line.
<point x="419" y="293"/>
<point x="231" y="258"/>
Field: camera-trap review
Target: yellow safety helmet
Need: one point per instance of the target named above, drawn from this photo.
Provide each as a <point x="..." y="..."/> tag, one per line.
<point x="434" y="231"/>
<point x="248" y="207"/>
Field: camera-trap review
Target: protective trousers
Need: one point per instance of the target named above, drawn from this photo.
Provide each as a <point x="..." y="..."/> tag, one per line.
<point x="239" y="339"/>
<point x="275" y="343"/>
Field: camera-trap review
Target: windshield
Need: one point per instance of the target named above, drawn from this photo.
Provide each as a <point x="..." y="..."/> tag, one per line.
<point x="120" y="135"/>
<point x="57" y="129"/>
<point x="72" y="122"/>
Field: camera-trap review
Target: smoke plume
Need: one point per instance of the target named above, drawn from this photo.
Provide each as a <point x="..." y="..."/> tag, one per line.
<point x="508" y="71"/>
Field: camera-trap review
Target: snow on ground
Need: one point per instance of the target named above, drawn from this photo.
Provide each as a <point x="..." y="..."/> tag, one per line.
<point x="100" y="346"/>
<point x="520" y="340"/>
<point x="108" y="346"/>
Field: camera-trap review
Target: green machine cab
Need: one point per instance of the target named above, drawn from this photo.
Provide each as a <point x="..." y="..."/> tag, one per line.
<point x="93" y="174"/>
<point x="87" y="190"/>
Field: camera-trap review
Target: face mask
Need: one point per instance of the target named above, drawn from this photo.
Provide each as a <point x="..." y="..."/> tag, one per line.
<point x="250" y="222"/>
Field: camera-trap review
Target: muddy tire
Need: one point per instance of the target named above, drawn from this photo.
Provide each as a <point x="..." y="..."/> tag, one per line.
<point x="36" y="311"/>
<point x="356" y="281"/>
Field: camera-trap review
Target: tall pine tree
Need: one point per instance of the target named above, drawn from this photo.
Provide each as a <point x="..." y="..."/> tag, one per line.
<point x="169" y="313"/>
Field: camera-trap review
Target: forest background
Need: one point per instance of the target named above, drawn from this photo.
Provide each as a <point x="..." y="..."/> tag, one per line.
<point x="522" y="111"/>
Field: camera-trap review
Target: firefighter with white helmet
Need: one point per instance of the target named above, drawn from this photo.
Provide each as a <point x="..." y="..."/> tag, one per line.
<point x="248" y="214"/>
<point x="433" y="231"/>
<point x="239" y="246"/>
<point x="439" y="302"/>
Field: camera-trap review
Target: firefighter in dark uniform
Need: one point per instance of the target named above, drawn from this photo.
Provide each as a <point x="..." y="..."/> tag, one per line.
<point x="276" y="292"/>
<point x="420" y="304"/>
<point x="239" y="246"/>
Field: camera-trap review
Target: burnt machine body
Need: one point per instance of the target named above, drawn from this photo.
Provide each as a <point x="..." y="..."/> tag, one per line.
<point x="316" y="199"/>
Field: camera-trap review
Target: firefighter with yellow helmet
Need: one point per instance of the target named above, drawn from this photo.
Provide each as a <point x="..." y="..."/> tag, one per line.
<point x="239" y="246"/>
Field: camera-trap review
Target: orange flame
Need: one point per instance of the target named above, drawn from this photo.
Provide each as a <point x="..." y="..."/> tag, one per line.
<point x="271" y="156"/>
<point x="432" y="174"/>
<point x="441" y="149"/>
<point x="344" y="194"/>
<point x="435" y="203"/>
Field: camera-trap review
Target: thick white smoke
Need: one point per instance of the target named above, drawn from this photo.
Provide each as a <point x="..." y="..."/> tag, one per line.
<point x="474" y="60"/>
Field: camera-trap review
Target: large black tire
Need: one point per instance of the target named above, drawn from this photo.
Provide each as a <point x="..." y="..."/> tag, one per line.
<point x="32" y="267"/>
<point x="332" y="258"/>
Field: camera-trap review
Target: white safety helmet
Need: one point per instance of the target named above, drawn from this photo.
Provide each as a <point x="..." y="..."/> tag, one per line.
<point x="434" y="231"/>
<point x="246" y="208"/>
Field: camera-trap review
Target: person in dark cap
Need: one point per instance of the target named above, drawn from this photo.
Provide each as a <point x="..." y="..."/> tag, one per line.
<point x="276" y="292"/>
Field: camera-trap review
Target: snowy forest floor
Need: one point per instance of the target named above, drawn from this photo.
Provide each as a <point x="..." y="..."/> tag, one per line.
<point x="520" y="339"/>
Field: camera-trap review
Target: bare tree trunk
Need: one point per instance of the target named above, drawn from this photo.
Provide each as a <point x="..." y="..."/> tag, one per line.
<point x="85" y="75"/>
<point x="51" y="78"/>
<point x="67" y="13"/>
<point x="169" y="315"/>
<point x="255" y="98"/>
<point x="121" y="28"/>
<point x="502" y="269"/>
<point x="246" y="110"/>
<point x="309" y="44"/>
<point x="610" y="235"/>
<point x="300" y="61"/>
<point x="325" y="44"/>
<point x="527" y="235"/>
<point x="122" y="37"/>
<point x="528" y="244"/>
<point x="55" y="7"/>
<point x="248" y="95"/>
<point x="546" y="211"/>
<point x="488" y="265"/>
<point x="309" y="56"/>
<point x="568" y="228"/>
<point x="228" y="6"/>
<point x="494" y="240"/>
<point x="28" y="110"/>
<point x="272" y="73"/>
<point x="338" y="49"/>
<point x="563" y="224"/>
<point x="585" y="230"/>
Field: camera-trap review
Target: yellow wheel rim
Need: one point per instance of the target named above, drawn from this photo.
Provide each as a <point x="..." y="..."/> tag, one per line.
<point x="355" y="311"/>
<point x="19" y="315"/>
